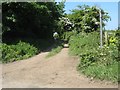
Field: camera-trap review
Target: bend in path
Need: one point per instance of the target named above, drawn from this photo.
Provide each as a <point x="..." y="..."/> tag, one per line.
<point x="58" y="71"/>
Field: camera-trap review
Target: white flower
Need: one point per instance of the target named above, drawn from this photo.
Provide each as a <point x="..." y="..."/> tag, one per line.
<point x="96" y="23"/>
<point x="94" y="19"/>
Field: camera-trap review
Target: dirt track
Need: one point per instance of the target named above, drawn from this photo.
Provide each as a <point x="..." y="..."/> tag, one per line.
<point x="58" y="71"/>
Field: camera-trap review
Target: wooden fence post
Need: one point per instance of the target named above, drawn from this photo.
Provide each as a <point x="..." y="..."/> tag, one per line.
<point x="106" y="38"/>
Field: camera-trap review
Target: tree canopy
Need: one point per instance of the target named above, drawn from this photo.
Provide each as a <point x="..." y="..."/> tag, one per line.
<point x="35" y="19"/>
<point x="87" y="19"/>
<point x="41" y="19"/>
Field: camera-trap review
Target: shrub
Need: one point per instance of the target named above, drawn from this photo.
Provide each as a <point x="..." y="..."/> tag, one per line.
<point x="102" y="63"/>
<point x="16" y="52"/>
<point x="95" y="62"/>
<point x="40" y="44"/>
<point x="82" y="43"/>
<point x="66" y="35"/>
<point x="105" y="56"/>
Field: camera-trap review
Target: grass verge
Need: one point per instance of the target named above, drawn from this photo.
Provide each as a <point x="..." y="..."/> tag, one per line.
<point x="102" y="72"/>
<point x="95" y="62"/>
<point x="56" y="49"/>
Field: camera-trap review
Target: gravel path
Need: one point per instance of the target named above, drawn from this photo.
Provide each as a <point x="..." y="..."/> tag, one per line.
<point x="58" y="71"/>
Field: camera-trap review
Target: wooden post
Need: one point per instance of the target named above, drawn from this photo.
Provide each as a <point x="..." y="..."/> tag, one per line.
<point x="106" y="38"/>
<point x="101" y="36"/>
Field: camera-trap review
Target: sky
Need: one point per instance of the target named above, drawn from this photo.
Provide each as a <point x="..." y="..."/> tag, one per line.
<point x="110" y="7"/>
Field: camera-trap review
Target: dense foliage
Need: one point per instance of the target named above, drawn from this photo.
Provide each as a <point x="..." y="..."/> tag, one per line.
<point x="87" y="18"/>
<point x="64" y="25"/>
<point x="22" y="49"/>
<point x="82" y="43"/>
<point x="32" y="23"/>
<point x="95" y="62"/>
<point x="19" y="51"/>
<point x="34" y="19"/>
<point x="28" y="29"/>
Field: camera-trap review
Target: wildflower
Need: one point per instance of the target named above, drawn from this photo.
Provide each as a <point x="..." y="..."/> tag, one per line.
<point x="96" y="23"/>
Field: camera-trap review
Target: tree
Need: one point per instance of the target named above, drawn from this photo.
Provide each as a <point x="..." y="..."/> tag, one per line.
<point x="86" y="18"/>
<point x="33" y="19"/>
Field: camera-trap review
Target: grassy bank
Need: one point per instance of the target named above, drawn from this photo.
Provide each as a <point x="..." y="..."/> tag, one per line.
<point x="94" y="61"/>
<point x="57" y="47"/>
